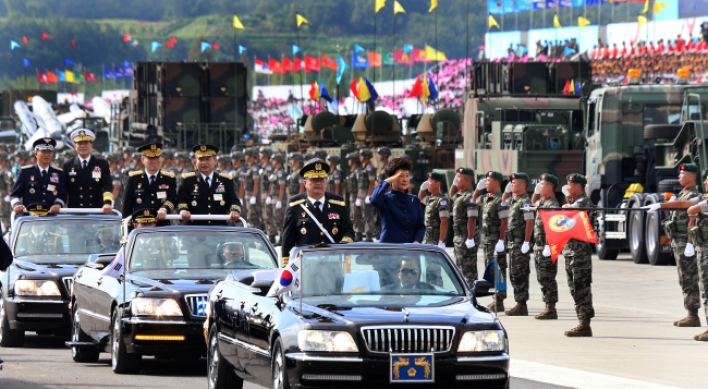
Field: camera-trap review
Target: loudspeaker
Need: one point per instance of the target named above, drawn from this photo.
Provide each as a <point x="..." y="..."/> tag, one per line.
<point x="227" y="79"/>
<point x="182" y="110"/>
<point x="226" y="110"/>
<point x="529" y="78"/>
<point x="183" y="79"/>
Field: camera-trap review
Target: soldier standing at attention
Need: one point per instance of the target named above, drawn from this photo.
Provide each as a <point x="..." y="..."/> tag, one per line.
<point x="88" y="178"/>
<point x="239" y="175"/>
<point x="698" y="216"/>
<point x="437" y="214"/>
<point x="277" y="193"/>
<point x="116" y="180"/>
<point x="251" y="184"/>
<point x="546" y="269"/>
<point x="676" y="228"/>
<point x="206" y="192"/>
<point x="39" y="183"/>
<point x="334" y="184"/>
<point x="264" y="173"/>
<point x="355" y="202"/>
<point x="150" y="188"/>
<point x="518" y="235"/>
<point x="494" y="224"/>
<point x="367" y="183"/>
<point x="578" y="262"/>
<point x="7" y="180"/>
<point x="464" y="218"/>
<point x="296" y="184"/>
<point x="384" y="154"/>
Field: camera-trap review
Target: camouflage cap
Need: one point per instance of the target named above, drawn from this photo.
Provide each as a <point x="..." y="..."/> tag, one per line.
<point x="495" y="175"/>
<point x="334" y="159"/>
<point x="278" y="158"/>
<point x="321" y="154"/>
<point x="406" y="157"/>
<point x="250" y="152"/>
<point x="167" y="154"/>
<point x="689" y="167"/>
<point x="576" y="178"/>
<point x="235" y="148"/>
<point x="466" y="171"/>
<point x="128" y="150"/>
<point x="297" y="157"/>
<point x="550" y="178"/>
<point x="237" y="155"/>
<point x="4" y="155"/>
<point x="366" y="153"/>
<point x="519" y="176"/>
<point x="384" y="151"/>
<point x="353" y="156"/>
<point x="112" y="158"/>
<point x="439" y="177"/>
<point x="308" y="156"/>
<point x="265" y="151"/>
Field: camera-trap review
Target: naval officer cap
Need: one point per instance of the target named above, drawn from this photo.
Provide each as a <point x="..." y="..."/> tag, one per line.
<point x="151" y="150"/>
<point x="44" y="144"/>
<point x="315" y="168"/>
<point x="83" y="135"/>
<point x="204" y="151"/>
<point x="145" y="216"/>
<point x="38" y="209"/>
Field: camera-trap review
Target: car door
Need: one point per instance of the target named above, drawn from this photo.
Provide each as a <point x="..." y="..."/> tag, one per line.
<point x="260" y="318"/>
<point x="85" y="289"/>
<point x="227" y="317"/>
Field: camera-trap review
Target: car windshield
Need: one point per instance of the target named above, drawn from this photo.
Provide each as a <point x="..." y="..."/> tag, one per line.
<point x="47" y="239"/>
<point x="190" y="254"/>
<point x="378" y="277"/>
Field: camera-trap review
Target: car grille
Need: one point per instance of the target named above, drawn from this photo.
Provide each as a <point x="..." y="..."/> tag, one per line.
<point x="68" y="283"/>
<point x="197" y="304"/>
<point x="396" y="339"/>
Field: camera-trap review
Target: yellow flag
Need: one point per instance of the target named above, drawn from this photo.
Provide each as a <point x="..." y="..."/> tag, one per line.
<point x="237" y="23"/>
<point x="492" y="22"/>
<point x="433" y="5"/>
<point x="658" y="7"/>
<point x="426" y="90"/>
<point x="299" y="20"/>
<point x="364" y="94"/>
<point x="556" y="22"/>
<point x="397" y="8"/>
<point x="582" y="22"/>
<point x="433" y="55"/>
<point x="378" y="5"/>
<point x="69" y="76"/>
<point x="646" y="7"/>
<point x="641" y="20"/>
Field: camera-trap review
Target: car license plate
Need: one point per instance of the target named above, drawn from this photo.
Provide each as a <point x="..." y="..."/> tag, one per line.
<point x="409" y="368"/>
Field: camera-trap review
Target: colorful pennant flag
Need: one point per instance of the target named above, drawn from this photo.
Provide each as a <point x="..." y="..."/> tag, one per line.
<point x="426" y="89"/>
<point x="403" y="58"/>
<point x="314" y="91"/>
<point x="432" y="89"/>
<point x="241" y="49"/>
<point x="42" y="78"/>
<point x="126" y="38"/>
<point x="170" y="43"/>
<point x="14" y="45"/>
<point x="341" y="68"/>
<point x="433" y="5"/>
<point x="378" y="4"/>
<point x="324" y="94"/>
<point x="556" y="21"/>
<point x="299" y="20"/>
<point x="312" y="64"/>
<point x="46" y="36"/>
<point x="128" y="67"/>
<point x="90" y="77"/>
<point x="419" y="55"/>
<point x="296" y="49"/>
<point x="52" y="78"/>
<point x="156" y="45"/>
<point x="73" y="44"/>
<point x="582" y="22"/>
<point x="360" y="61"/>
<point x="327" y="62"/>
<point x="108" y="74"/>
<point x="416" y="89"/>
<point x="407" y="48"/>
<point x="658" y="6"/>
<point x="69" y="76"/>
<point x="25" y="62"/>
<point x="237" y="23"/>
<point x="492" y="23"/>
<point x="204" y="46"/>
<point x="62" y="76"/>
<point x="397" y="8"/>
<point x="25" y="41"/>
<point x="68" y="62"/>
<point x="562" y="226"/>
<point x="363" y="94"/>
<point x="261" y="67"/>
<point x="358" y="49"/>
<point x="388" y="58"/>
<point x="354" y="87"/>
<point x="641" y="20"/>
<point x="433" y="55"/>
<point x="374" y="60"/>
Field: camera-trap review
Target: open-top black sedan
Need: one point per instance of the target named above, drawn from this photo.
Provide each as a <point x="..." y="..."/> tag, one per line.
<point x="356" y="316"/>
<point x="155" y="304"/>
<point x="47" y="251"/>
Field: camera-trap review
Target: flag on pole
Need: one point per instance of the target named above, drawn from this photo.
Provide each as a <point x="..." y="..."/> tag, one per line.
<point x="68" y="62"/>
<point x="314" y="91"/>
<point x="374" y="60"/>
<point x="388" y="58"/>
<point x="46" y="36"/>
<point x="69" y="76"/>
<point x="237" y="23"/>
<point x="419" y="55"/>
<point x="299" y="20"/>
<point x="397" y="8"/>
<point x="128" y="67"/>
<point x="433" y="5"/>
<point x="170" y="43"/>
<point x="582" y="22"/>
<point x="296" y="49"/>
<point x="25" y="62"/>
<point x="492" y="23"/>
<point x="156" y="45"/>
<point x="432" y="89"/>
<point x="562" y="226"/>
<point x="25" y="40"/>
<point x="556" y="21"/>
<point x="327" y="62"/>
<point x="52" y="78"/>
<point x="73" y="44"/>
<point x="646" y="7"/>
<point x="425" y="90"/>
<point x="658" y="6"/>
<point x="416" y="89"/>
<point x="205" y="46"/>
<point x="341" y="68"/>
<point x="62" y="76"/>
<point x="360" y="61"/>
<point x="215" y="46"/>
<point x="403" y="58"/>
<point x="261" y="67"/>
<point x="90" y="77"/>
<point x="14" y="45"/>
<point x="312" y="64"/>
<point x="354" y="87"/>
<point x="358" y="49"/>
<point x="126" y="38"/>
<point x="433" y="55"/>
<point x="241" y="49"/>
<point x="641" y="20"/>
<point x="494" y="274"/>
<point x="363" y="94"/>
<point x="407" y="48"/>
<point x="378" y="4"/>
<point x="324" y="94"/>
<point x="108" y="74"/>
<point x="42" y="78"/>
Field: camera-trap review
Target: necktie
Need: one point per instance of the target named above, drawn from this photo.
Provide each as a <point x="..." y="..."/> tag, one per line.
<point x="207" y="180"/>
<point x="317" y="209"/>
<point x="44" y="173"/>
<point x="85" y="163"/>
<point x="152" y="179"/>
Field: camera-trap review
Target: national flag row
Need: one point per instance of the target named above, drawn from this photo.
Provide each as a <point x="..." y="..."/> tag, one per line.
<point x="78" y="77"/>
<point x="511" y="6"/>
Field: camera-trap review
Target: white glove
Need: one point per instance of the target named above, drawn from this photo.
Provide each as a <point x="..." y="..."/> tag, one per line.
<point x="252" y="200"/>
<point x="525" y="248"/>
<point x="268" y="200"/>
<point x="500" y="246"/>
<point x="6" y="198"/>
<point x="652" y="207"/>
<point x="424" y="186"/>
<point x="278" y="205"/>
<point x="367" y="200"/>
<point x="565" y="190"/>
<point x="469" y="243"/>
<point x="482" y="184"/>
<point x="442" y="245"/>
<point x="546" y="251"/>
<point x="689" y="251"/>
<point x="537" y="190"/>
<point x="672" y="198"/>
<point x="358" y="202"/>
<point x="508" y="188"/>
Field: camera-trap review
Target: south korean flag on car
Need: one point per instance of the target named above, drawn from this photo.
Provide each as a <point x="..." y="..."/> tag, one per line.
<point x="115" y="268"/>
<point x="288" y="280"/>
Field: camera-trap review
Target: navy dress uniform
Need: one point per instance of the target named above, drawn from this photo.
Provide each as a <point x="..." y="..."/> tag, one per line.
<point x="89" y="184"/>
<point x="300" y="229"/>
<point x="154" y="191"/>
<point x="35" y="185"/>
<point x="217" y="197"/>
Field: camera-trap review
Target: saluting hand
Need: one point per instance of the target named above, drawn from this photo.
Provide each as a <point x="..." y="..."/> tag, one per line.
<point x="394" y="177"/>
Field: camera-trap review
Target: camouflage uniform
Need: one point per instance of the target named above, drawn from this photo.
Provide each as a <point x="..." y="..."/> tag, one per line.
<point x="357" y="212"/>
<point x="368" y="173"/>
<point x="494" y="210"/>
<point x="435" y="207"/>
<point x="546" y="269"/>
<point x="578" y="267"/>
<point x="117" y="179"/>
<point x="293" y="182"/>
<point x="699" y="235"/>
<point x="687" y="267"/>
<point x="239" y="175"/>
<point x="255" y="215"/>
<point x="6" y="182"/>
<point x="335" y="177"/>
<point x="515" y="237"/>
<point x="464" y="208"/>
<point x="275" y="223"/>
<point x="267" y="212"/>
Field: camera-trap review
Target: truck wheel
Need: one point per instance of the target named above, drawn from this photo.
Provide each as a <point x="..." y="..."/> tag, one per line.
<point x="661" y="131"/>
<point x="672" y="186"/>
<point x="635" y="233"/>
<point x="601" y="249"/>
<point x="653" y="245"/>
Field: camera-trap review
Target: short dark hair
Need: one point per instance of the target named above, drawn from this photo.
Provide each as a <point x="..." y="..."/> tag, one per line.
<point x="397" y="164"/>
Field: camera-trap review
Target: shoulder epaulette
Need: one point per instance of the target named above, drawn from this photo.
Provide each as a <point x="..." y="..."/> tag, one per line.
<point x="25" y="234"/>
<point x="296" y="203"/>
<point x="27" y="167"/>
<point x="54" y="234"/>
<point x="188" y="175"/>
<point x="135" y="173"/>
<point x="167" y="174"/>
<point x="227" y="176"/>
<point x="337" y="202"/>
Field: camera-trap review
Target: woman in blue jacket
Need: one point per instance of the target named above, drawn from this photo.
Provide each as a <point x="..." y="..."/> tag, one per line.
<point x="401" y="213"/>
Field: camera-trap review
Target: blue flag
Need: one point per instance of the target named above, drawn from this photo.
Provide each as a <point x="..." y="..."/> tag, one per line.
<point x="372" y="92"/>
<point x="407" y="48"/>
<point x="296" y="49"/>
<point x="494" y="275"/>
<point x="118" y="71"/>
<point x="205" y="46"/>
<point x="568" y="51"/>
<point x="578" y="88"/>
<point x="241" y="49"/>
<point x="108" y="74"/>
<point x="156" y="45"/>
<point x="324" y="94"/>
<point x="360" y="62"/>
<point x="433" y="90"/>
<point x="14" y="45"/>
<point x="68" y="62"/>
<point x="26" y="62"/>
<point x="358" y="49"/>
<point x="128" y="67"/>
<point x="62" y="76"/>
<point x="341" y="68"/>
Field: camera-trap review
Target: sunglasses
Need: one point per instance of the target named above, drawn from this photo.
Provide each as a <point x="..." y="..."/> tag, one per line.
<point x="408" y="272"/>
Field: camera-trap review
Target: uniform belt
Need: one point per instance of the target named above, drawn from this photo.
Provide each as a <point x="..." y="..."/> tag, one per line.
<point x="517" y="233"/>
<point x="492" y="229"/>
<point x="681" y="228"/>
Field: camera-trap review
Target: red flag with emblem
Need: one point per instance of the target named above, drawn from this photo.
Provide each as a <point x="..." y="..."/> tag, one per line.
<point x="126" y="37"/>
<point x="42" y="78"/>
<point x="46" y="36"/>
<point x="288" y="65"/>
<point x="327" y="62"/>
<point x="562" y="226"/>
<point x="312" y="64"/>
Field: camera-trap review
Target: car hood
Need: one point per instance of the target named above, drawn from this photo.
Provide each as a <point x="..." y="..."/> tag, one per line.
<point x="184" y="286"/>
<point x="57" y="269"/>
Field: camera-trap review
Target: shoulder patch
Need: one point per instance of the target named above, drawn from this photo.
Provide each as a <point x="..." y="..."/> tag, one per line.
<point x="296" y="203"/>
<point x="337" y="202"/>
<point x="167" y="174"/>
<point x="226" y="176"/>
<point x="27" y="167"/>
<point x="188" y="175"/>
<point x="443" y="202"/>
<point x="56" y="168"/>
<point x="135" y="173"/>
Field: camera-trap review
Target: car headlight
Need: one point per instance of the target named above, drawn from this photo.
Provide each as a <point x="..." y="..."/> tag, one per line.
<point x="36" y="288"/>
<point x="332" y="341"/>
<point x="142" y="306"/>
<point x="479" y="341"/>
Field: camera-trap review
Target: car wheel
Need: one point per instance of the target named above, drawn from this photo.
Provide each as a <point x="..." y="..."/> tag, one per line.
<point x="277" y="365"/>
<point x="8" y="336"/>
<point x="121" y="361"/>
<point x="79" y="354"/>
<point x="220" y="374"/>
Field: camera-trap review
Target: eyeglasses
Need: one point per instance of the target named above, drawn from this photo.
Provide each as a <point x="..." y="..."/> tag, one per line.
<point x="408" y="272"/>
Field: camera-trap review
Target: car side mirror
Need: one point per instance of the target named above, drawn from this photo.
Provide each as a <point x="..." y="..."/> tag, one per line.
<point x="261" y="288"/>
<point x="99" y="261"/>
<point x="483" y="288"/>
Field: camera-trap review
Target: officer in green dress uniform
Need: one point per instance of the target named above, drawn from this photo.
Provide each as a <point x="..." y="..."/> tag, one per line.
<point x="437" y="213"/>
